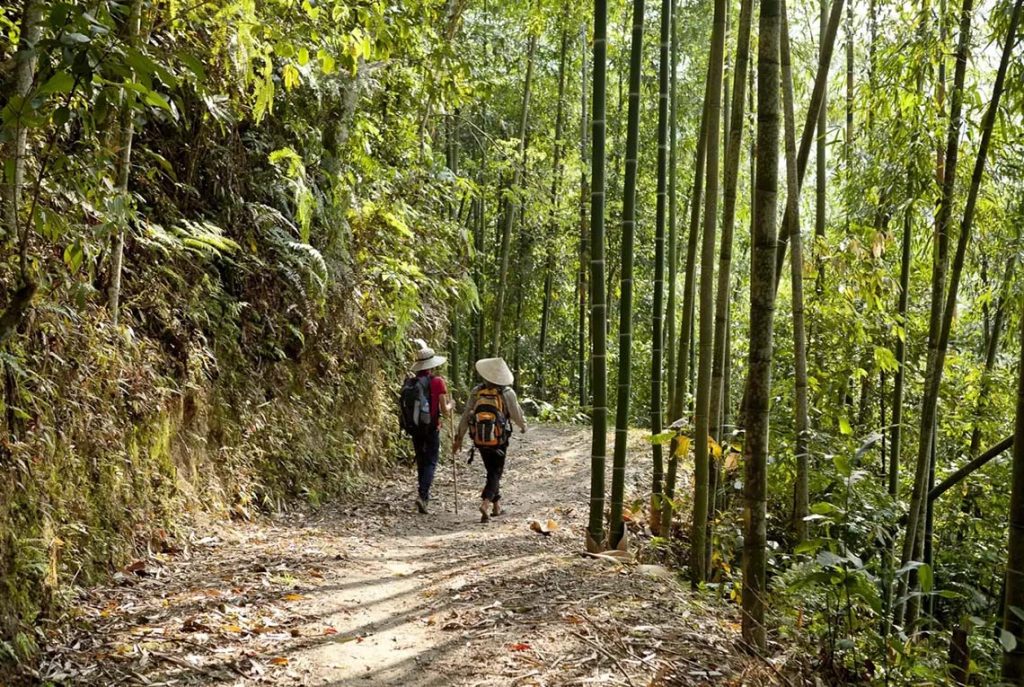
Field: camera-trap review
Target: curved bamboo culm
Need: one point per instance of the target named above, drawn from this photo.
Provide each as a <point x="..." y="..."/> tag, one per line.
<point x="657" y="337"/>
<point x="915" y="515"/>
<point x="615" y="528"/>
<point x="598" y="313"/>
<point x="967" y="225"/>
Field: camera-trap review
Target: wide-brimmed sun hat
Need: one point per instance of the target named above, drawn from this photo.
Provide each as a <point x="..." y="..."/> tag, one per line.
<point x="495" y="371"/>
<point x="425" y="358"/>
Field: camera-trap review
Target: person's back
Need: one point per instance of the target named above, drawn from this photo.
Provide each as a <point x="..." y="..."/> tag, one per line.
<point x="426" y="440"/>
<point x="490" y="412"/>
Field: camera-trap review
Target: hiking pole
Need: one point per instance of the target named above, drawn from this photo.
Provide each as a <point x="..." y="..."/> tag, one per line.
<point x="455" y="470"/>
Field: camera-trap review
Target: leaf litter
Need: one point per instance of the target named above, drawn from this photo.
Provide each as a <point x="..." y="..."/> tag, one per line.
<point x="369" y="592"/>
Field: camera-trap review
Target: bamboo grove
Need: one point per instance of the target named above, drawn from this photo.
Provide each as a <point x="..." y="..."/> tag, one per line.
<point x="618" y="200"/>
<point x="822" y="387"/>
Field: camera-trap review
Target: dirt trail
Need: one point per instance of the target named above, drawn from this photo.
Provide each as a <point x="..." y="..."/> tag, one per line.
<point x="372" y="593"/>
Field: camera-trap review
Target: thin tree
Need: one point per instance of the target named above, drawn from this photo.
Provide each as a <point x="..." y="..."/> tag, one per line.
<point x="733" y="131"/>
<point x="901" y="357"/>
<point x="686" y="324"/>
<point x="556" y="182"/>
<point x="828" y="42"/>
<point x="702" y="419"/>
<point x="615" y="528"/>
<point x="734" y="141"/>
<point x="800" y="489"/>
<point x="598" y="313"/>
<point x="657" y="338"/>
<point x="509" y="217"/>
<point x="821" y="170"/>
<point x="673" y="233"/>
<point x="581" y="283"/>
<point x="762" y="306"/>
<point x="14" y="153"/>
<point x="126" y="126"/>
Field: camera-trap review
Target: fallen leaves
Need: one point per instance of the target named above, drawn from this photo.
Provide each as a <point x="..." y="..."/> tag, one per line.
<point x="545" y="527"/>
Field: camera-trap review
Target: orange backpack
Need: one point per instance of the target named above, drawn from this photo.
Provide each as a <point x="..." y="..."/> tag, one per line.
<point x="489" y="425"/>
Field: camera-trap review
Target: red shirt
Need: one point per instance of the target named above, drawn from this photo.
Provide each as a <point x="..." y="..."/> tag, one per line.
<point x="438" y="388"/>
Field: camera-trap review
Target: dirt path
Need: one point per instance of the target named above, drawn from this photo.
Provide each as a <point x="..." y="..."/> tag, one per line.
<point x="371" y="593"/>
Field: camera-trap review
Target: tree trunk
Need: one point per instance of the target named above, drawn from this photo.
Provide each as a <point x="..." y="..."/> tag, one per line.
<point x="581" y="282"/>
<point x="848" y="143"/>
<point x="673" y="234"/>
<point x="686" y="324"/>
<point x="598" y="314"/>
<point x="762" y="305"/>
<point x="734" y="140"/>
<point x="556" y="182"/>
<point x="828" y="41"/>
<point x="821" y="171"/>
<point x="506" y="236"/>
<point x="901" y="358"/>
<point x="615" y="528"/>
<point x="124" y="159"/>
<point x="936" y="358"/>
<point x="800" y="489"/>
<point x="657" y="338"/>
<point x="15" y="151"/>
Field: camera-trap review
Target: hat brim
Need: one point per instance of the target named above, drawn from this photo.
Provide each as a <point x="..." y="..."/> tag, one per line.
<point x="429" y="363"/>
<point x="495" y="371"/>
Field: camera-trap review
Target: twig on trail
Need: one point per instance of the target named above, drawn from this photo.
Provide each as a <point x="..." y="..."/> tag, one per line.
<point x="606" y="653"/>
<point x="621" y="560"/>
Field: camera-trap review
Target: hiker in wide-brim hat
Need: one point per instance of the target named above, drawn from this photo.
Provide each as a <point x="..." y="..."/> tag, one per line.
<point x="490" y="412"/>
<point x="424" y="401"/>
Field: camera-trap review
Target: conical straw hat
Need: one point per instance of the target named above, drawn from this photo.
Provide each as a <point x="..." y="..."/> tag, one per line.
<point x="425" y="358"/>
<point x="495" y="371"/>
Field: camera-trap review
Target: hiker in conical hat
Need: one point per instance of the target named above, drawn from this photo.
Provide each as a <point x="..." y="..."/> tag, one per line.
<point x="491" y="410"/>
<point x="425" y="400"/>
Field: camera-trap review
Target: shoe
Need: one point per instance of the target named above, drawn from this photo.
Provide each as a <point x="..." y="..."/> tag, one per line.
<point x="485" y="510"/>
<point x="496" y="509"/>
<point x="421" y="505"/>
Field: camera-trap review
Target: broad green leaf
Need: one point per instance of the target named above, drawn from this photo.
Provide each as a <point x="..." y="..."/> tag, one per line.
<point x="924" y="578"/>
<point x="844" y="426"/>
<point x="60" y="82"/>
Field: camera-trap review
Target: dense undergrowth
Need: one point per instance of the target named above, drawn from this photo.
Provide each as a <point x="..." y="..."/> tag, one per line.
<point x="273" y="271"/>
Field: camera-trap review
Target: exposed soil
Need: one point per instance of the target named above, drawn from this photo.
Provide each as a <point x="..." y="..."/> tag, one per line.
<point x="369" y="592"/>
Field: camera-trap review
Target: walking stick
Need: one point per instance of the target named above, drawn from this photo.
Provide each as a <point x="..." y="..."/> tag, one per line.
<point x="455" y="469"/>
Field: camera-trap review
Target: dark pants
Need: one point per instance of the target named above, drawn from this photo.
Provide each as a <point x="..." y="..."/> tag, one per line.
<point x="427" y="448"/>
<point x="494" y="462"/>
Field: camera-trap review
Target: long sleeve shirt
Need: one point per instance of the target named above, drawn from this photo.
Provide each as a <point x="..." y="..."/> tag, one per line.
<point x="512" y="409"/>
